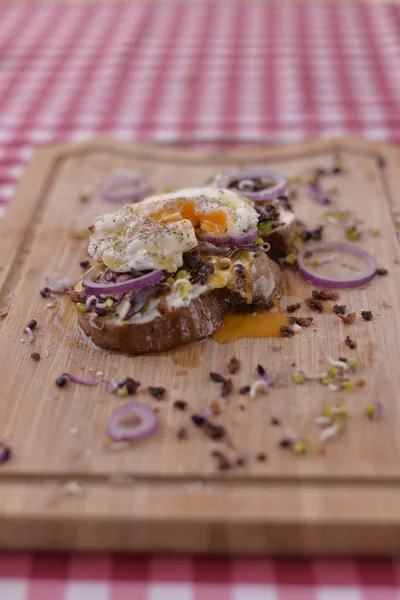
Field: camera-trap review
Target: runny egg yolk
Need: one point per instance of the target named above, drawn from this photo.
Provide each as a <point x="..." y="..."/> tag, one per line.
<point x="213" y="222"/>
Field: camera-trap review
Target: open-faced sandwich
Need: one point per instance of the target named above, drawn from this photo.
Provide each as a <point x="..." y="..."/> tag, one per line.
<point x="170" y="266"/>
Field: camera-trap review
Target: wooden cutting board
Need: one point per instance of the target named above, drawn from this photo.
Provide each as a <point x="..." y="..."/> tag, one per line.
<point x="165" y="494"/>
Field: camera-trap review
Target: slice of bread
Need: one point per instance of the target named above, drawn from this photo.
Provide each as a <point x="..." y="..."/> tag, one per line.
<point x="186" y="324"/>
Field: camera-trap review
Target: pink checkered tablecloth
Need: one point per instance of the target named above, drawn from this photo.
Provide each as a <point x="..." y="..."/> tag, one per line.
<point x="44" y="577"/>
<point x="181" y="70"/>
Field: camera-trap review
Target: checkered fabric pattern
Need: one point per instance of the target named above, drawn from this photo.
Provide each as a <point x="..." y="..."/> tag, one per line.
<point x="42" y="577"/>
<point x="181" y="70"/>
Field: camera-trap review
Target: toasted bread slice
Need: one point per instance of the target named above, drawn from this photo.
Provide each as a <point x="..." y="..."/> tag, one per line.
<point x="188" y="324"/>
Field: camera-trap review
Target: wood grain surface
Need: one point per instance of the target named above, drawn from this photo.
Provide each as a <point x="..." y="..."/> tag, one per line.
<point x="165" y="494"/>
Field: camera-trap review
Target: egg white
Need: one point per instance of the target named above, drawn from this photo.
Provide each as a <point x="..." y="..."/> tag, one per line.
<point x="131" y="239"/>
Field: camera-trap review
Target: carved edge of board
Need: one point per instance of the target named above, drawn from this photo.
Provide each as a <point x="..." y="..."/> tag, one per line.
<point x="265" y="520"/>
<point x="313" y="518"/>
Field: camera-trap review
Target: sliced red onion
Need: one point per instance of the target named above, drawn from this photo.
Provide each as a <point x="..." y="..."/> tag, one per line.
<point x="133" y="285"/>
<point x="379" y="410"/>
<point x="139" y="187"/>
<point x="269" y="193"/>
<point x="5" y="453"/>
<point x="361" y="278"/>
<point x="76" y="379"/>
<point x="317" y="194"/>
<point x="30" y="333"/>
<point x="132" y="422"/>
<point x="208" y="248"/>
<point x="233" y="240"/>
<point x="112" y="386"/>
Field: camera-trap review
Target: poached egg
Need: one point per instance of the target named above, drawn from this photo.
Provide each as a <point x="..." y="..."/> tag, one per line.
<point x="154" y="233"/>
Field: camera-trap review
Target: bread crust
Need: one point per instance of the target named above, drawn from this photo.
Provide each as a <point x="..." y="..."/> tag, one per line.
<point x="189" y="324"/>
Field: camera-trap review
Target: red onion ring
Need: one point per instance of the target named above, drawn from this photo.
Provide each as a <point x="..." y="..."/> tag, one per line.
<point x="140" y="187"/>
<point x="361" y="278"/>
<point x="146" y="425"/>
<point x="268" y="193"/>
<point x="233" y="240"/>
<point x="133" y="285"/>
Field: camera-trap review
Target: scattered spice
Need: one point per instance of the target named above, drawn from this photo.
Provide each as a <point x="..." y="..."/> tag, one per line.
<point x="181" y="433"/>
<point x="227" y="388"/>
<point x="258" y="386"/>
<point x="366" y="315"/>
<point x="84" y="264"/>
<point x="285" y="443"/>
<point x="312" y="234"/>
<point x="360" y="383"/>
<point x="381" y="161"/>
<point x="223" y="463"/>
<point x="157" y="392"/>
<point x="286" y="331"/>
<point x="352" y="234"/>
<point x="61" y="381"/>
<point x="314" y="304"/>
<point x="298" y="377"/>
<point x="233" y="365"/>
<point x="242" y="407"/>
<point x="261" y="456"/>
<point x="215" y="409"/>
<point x="350" y="343"/>
<point x="374" y="411"/>
<point x="127" y="387"/>
<point x="217" y="377"/>
<point x="348" y="386"/>
<point x="216" y="432"/>
<point x="352" y="362"/>
<point x="275" y="421"/>
<point x="385" y="305"/>
<point x="303" y="321"/>
<point x="198" y="420"/>
<point x="339" y="309"/>
<point x="348" y="319"/>
<point x="293" y="307"/>
<point x="261" y="371"/>
<point x="244" y="390"/>
<point x="5" y="453"/>
<point x="240" y="461"/>
<point x="291" y="260"/>
<point x="382" y="271"/>
<point x="180" y="404"/>
<point x="216" y="453"/>
<point x="131" y="386"/>
<point x="44" y="292"/>
<point x="85" y="195"/>
<point x="325" y="294"/>
<point x="35" y="356"/>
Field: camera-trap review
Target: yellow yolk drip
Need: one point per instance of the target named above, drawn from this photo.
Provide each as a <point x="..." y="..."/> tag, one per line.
<point x="256" y="325"/>
<point x="213" y="222"/>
